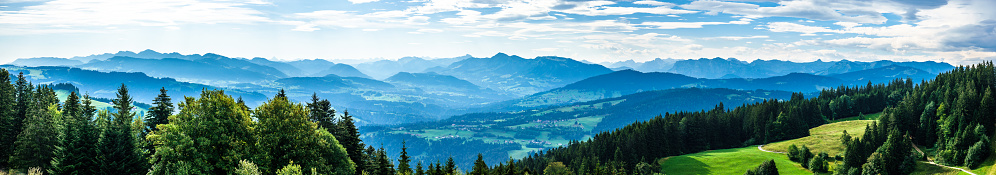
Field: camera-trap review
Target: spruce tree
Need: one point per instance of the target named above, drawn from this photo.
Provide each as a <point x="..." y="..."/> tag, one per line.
<point x="117" y="144"/>
<point x="35" y="146"/>
<point x="418" y="169"/>
<point x="349" y="137"/>
<point x="8" y="115"/>
<point x="23" y="90"/>
<point x="78" y="153"/>
<point x="403" y="160"/>
<point x="480" y="167"/>
<point x="384" y="165"/>
<point x="159" y="114"/>
<point x="321" y="112"/>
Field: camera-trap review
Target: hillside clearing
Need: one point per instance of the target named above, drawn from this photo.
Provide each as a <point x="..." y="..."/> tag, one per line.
<point x="728" y="161"/>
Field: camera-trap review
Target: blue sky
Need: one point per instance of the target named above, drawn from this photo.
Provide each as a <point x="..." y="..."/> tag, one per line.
<point x="954" y="31"/>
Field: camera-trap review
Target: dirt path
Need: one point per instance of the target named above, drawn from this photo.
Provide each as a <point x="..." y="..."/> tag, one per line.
<point x="931" y="161"/>
<point x="762" y="149"/>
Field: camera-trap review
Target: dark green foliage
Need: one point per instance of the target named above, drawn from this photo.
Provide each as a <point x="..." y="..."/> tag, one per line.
<point x="117" y="143"/>
<point x="793" y="153"/>
<point x="418" y="169"/>
<point x="209" y="135"/>
<point x="321" y="112"/>
<point x="976" y="153"/>
<point x="285" y="134"/>
<point x="804" y="156"/>
<point x="384" y="163"/>
<point x="766" y="168"/>
<point x="35" y="145"/>
<point x="719" y="128"/>
<point x="403" y="161"/>
<point x="480" y="168"/>
<point x="78" y="152"/>
<point x="23" y="90"/>
<point x="819" y="163"/>
<point x="349" y="138"/>
<point x="450" y="165"/>
<point x="159" y="114"/>
<point x="8" y="118"/>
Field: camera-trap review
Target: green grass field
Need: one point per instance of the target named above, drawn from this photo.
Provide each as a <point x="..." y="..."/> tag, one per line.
<point x="824" y="138"/>
<point x="867" y="117"/>
<point x="728" y="161"/>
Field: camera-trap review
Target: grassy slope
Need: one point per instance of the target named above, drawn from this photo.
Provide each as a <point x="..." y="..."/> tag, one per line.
<point x="825" y="138"/>
<point x="728" y="161"/>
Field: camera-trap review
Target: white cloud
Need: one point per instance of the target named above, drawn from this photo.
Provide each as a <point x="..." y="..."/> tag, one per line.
<point x="90" y="13"/>
<point x="653" y="3"/>
<point x="735" y="38"/>
<point x="679" y="25"/>
<point x="850" y="11"/>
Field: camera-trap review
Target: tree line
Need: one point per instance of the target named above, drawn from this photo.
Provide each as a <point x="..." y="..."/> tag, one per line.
<point x="210" y="134"/>
<point x="622" y="150"/>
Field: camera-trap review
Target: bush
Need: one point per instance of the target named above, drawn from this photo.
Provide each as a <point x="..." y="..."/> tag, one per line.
<point x="976" y="154"/>
<point x="818" y="164"/>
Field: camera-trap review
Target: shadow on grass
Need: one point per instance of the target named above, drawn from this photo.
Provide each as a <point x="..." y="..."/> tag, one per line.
<point x="684" y="165"/>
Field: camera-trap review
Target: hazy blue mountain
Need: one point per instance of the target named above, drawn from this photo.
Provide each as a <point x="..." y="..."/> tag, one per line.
<point x="286" y="68"/>
<point x="239" y="63"/>
<point x="143" y="88"/>
<point x="148" y="54"/>
<point x="343" y="70"/>
<point x="887" y="73"/>
<point x="432" y="80"/>
<point x="626" y="82"/>
<point x="385" y="68"/>
<point x="845" y="66"/>
<point x="520" y="76"/>
<point x="732" y="68"/>
<point x="312" y="67"/>
<point x="45" y="61"/>
<point x="211" y="71"/>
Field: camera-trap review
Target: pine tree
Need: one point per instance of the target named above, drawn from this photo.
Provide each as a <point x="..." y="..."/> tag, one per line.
<point x="159" y="114"/>
<point x="349" y="137"/>
<point x="117" y="144"/>
<point x="35" y="146"/>
<point x="8" y="115"/>
<point x="480" y="167"/>
<point x="418" y="169"/>
<point x="23" y="90"/>
<point x="321" y="112"/>
<point x="384" y="163"/>
<point x="78" y="152"/>
<point x="403" y="166"/>
<point x="450" y="165"/>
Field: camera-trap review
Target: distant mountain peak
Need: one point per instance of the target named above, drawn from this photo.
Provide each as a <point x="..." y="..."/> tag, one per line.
<point x="148" y="51"/>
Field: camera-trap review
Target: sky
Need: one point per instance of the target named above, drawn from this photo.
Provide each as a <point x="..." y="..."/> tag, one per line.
<point x="953" y="31"/>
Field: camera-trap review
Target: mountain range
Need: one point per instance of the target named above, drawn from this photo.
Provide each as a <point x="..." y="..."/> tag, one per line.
<point x="715" y="68"/>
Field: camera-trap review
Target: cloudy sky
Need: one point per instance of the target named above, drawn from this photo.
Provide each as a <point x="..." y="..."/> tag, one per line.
<point x="954" y="31"/>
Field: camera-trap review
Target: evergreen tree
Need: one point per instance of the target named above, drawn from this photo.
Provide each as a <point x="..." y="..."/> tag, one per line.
<point x="78" y="152"/>
<point x="35" y="146"/>
<point x="819" y="164"/>
<point x="117" y="143"/>
<point x="384" y="165"/>
<point x="159" y="114"/>
<point x="321" y="112"/>
<point x="418" y="169"/>
<point x="480" y="168"/>
<point x="8" y="117"/>
<point x="450" y="165"/>
<point x="403" y="160"/>
<point x="977" y="152"/>
<point x="23" y="90"/>
<point x="349" y="137"/>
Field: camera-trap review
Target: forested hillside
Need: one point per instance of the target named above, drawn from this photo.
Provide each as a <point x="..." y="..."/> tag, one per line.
<point x="621" y="150"/>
